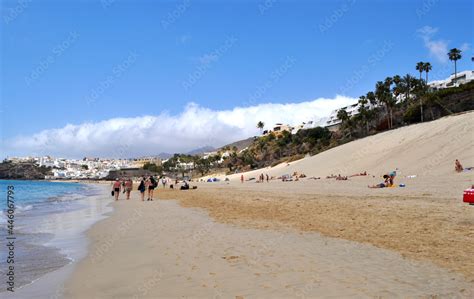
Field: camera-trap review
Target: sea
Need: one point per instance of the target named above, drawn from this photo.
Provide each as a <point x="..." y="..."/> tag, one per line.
<point x="49" y="225"/>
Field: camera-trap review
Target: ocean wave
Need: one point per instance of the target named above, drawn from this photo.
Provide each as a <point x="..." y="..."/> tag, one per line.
<point x="21" y="209"/>
<point x="64" y="197"/>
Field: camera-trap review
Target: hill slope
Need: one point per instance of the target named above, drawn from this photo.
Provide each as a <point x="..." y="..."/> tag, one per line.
<point x="427" y="149"/>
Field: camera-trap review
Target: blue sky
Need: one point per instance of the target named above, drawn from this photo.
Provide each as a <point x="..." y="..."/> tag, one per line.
<point x="88" y="63"/>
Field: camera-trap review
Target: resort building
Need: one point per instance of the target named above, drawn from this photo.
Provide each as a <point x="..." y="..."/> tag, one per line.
<point x="278" y="129"/>
<point x="452" y="81"/>
<point x="333" y="122"/>
<point x="139" y="162"/>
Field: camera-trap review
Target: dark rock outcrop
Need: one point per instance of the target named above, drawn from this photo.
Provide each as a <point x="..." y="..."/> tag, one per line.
<point x="23" y="171"/>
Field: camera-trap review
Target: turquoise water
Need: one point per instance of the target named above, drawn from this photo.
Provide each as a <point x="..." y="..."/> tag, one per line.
<point x="40" y="195"/>
<point x="43" y="211"/>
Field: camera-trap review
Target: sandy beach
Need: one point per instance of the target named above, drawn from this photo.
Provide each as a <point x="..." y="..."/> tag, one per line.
<point x="163" y="250"/>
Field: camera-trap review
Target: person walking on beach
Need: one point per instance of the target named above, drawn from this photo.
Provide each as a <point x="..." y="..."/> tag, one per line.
<point x="128" y="185"/>
<point x="163" y="181"/>
<point x="268" y="178"/>
<point x="242" y="178"/>
<point x="151" y="184"/>
<point x="116" y="188"/>
<point x="142" y="188"/>
<point x="457" y="166"/>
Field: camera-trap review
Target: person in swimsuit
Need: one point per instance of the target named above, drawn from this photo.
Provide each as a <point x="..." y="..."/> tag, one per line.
<point x="116" y="187"/>
<point x="163" y="181"/>
<point x="128" y="187"/>
<point x="457" y="166"/>
<point x="151" y="184"/>
<point x="385" y="184"/>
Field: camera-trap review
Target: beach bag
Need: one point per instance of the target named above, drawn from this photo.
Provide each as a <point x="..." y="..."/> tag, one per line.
<point x="141" y="188"/>
<point x="112" y="193"/>
<point x="468" y="196"/>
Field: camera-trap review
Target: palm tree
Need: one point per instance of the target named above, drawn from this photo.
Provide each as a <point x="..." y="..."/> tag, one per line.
<point x="427" y="69"/>
<point x="408" y="85"/>
<point x="420" y="66"/>
<point x="385" y="97"/>
<point x="260" y="125"/>
<point x="372" y="99"/>
<point x="364" y="111"/>
<point x="342" y="115"/>
<point x="454" y="55"/>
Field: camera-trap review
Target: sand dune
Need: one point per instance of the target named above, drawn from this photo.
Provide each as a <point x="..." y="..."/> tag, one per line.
<point x="423" y="149"/>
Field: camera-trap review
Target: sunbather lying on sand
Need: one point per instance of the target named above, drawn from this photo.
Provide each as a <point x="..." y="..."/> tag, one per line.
<point x="332" y="176"/>
<point x="359" y="174"/>
<point x="381" y="185"/>
<point x="341" y="178"/>
<point x="385" y="184"/>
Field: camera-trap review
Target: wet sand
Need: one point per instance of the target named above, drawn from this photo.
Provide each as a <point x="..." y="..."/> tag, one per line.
<point x="161" y="249"/>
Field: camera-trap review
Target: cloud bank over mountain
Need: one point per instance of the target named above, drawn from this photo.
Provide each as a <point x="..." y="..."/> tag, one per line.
<point x="194" y="127"/>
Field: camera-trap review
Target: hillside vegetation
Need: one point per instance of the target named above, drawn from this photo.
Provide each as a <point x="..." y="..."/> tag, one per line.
<point x="395" y="102"/>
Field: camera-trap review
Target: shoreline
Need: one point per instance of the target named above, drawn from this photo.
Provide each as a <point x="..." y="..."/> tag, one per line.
<point x="68" y="230"/>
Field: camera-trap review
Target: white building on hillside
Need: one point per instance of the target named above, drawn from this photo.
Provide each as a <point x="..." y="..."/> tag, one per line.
<point x="333" y="122"/>
<point x="461" y="78"/>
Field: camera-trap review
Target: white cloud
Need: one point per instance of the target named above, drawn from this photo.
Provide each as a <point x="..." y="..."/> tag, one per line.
<point x="194" y="127"/>
<point x="183" y="39"/>
<point x="465" y="47"/>
<point x="437" y="48"/>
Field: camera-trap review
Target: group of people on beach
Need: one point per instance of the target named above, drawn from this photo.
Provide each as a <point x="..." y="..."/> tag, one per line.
<point x="389" y="180"/>
<point x="261" y="178"/>
<point x="126" y="186"/>
<point x="147" y="185"/>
